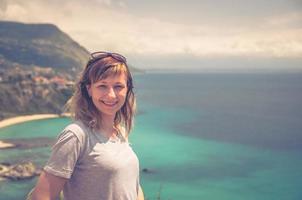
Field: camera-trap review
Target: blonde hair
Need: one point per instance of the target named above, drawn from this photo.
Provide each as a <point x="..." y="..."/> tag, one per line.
<point x="80" y="104"/>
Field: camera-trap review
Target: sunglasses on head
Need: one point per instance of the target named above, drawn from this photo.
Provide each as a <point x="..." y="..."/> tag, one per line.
<point x="99" y="55"/>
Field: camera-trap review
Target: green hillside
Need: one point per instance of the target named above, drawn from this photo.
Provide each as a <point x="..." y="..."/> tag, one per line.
<point x="43" y="45"/>
<point x="38" y="66"/>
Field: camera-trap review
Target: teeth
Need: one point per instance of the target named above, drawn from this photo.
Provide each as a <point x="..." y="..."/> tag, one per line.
<point x="109" y="103"/>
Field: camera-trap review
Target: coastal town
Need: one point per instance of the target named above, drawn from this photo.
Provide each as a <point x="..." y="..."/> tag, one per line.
<point x="16" y="73"/>
<point x="32" y="89"/>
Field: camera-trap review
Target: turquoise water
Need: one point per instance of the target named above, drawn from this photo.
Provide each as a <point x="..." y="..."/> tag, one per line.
<point x="206" y="136"/>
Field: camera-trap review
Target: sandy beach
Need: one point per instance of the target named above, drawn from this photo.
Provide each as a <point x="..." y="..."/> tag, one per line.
<point x="4" y="145"/>
<point x="21" y="119"/>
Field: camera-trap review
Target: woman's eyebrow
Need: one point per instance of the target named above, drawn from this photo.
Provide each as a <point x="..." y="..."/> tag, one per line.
<point x="119" y="83"/>
<point x="115" y="83"/>
<point x="102" y="81"/>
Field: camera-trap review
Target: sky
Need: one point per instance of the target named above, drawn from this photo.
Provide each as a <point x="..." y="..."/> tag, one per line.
<point x="177" y="35"/>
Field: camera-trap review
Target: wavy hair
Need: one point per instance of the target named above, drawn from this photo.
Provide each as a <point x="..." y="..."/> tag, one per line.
<point x="80" y="105"/>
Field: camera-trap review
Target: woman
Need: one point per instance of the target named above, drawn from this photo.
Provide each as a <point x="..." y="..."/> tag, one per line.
<point x="92" y="159"/>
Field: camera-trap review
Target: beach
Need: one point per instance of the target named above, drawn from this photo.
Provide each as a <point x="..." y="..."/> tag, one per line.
<point x="4" y="145"/>
<point x="24" y="118"/>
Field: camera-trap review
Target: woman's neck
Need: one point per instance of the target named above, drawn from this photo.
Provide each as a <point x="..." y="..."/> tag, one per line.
<point x="107" y="126"/>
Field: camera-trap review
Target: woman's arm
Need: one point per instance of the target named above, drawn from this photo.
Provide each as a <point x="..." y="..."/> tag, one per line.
<point x="140" y="194"/>
<point x="48" y="187"/>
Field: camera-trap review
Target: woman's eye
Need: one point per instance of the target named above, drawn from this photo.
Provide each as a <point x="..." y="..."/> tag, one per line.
<point x="102" y="86"/>
<point x="119" y="87"/>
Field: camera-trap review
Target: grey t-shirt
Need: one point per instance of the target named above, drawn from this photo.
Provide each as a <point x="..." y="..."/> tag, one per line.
<point x="96" y="168"/>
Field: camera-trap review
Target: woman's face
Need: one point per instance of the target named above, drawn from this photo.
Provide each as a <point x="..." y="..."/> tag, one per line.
<point x="109" y="94"/>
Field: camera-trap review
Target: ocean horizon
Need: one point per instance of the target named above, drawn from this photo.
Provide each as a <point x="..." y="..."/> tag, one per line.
<point x="218" y="136"/>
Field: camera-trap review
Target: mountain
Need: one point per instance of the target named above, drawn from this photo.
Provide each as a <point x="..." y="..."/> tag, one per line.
<point x="38" y="66"/>
<point x="44" y="45"/>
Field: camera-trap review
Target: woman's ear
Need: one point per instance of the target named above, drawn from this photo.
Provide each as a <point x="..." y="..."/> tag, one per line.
<point x="88" y="87"/>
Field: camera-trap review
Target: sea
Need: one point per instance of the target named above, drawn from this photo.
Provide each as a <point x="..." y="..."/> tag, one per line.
<point x="200" y="136"/>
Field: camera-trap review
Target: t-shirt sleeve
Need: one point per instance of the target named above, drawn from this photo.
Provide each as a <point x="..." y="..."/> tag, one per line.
<point x="64" y="155"/>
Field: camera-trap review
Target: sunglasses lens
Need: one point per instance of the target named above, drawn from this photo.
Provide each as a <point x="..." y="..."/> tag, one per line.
<point x="100" y="55"/>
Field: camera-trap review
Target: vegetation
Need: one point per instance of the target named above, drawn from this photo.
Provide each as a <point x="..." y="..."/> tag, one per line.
<point x="38" y="66"/>
<point x="43" y="45"/>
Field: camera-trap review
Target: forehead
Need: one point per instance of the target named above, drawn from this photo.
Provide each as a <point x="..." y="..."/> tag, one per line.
<point x="99" y="71"/>
<point x="114" y="78"/>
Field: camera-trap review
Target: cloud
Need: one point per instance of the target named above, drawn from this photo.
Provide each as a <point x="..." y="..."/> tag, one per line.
<point x="108" y="25"/>
<point x="289" y="20"/>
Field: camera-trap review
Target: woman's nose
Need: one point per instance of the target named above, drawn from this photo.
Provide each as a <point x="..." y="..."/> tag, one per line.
<point x="111" y="93"/>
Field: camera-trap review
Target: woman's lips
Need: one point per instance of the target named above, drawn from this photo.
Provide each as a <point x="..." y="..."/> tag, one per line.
<point x="111" y="104"/>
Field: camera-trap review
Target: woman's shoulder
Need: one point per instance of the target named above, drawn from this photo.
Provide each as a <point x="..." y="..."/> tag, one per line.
<point x="77" y="129"/>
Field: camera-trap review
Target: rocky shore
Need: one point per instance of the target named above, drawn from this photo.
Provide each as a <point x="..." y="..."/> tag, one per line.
<point x="22" y="170"/>
<point x="19" y="171"/>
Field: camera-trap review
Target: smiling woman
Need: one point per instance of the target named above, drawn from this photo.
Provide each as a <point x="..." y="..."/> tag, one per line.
<point x="109" y="95"/>
<point x="88" y="159"/>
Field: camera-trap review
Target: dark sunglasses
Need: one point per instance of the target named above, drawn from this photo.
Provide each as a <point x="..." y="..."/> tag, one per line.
<point x="99" y="55"/>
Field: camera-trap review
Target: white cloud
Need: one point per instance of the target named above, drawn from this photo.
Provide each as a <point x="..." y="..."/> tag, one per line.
<point x="104" y="24"/>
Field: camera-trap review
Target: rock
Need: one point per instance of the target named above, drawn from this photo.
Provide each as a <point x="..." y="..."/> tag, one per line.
<point x="3" y="169"/>
<point x="146" y="170"/>
<point x="19" y="171"/>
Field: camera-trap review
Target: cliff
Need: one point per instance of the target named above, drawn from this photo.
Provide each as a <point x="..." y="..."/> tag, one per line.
<point x="38" y="65"/>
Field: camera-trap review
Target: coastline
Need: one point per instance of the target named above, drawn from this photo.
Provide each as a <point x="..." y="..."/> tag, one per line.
<point x="25" y="118"/>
